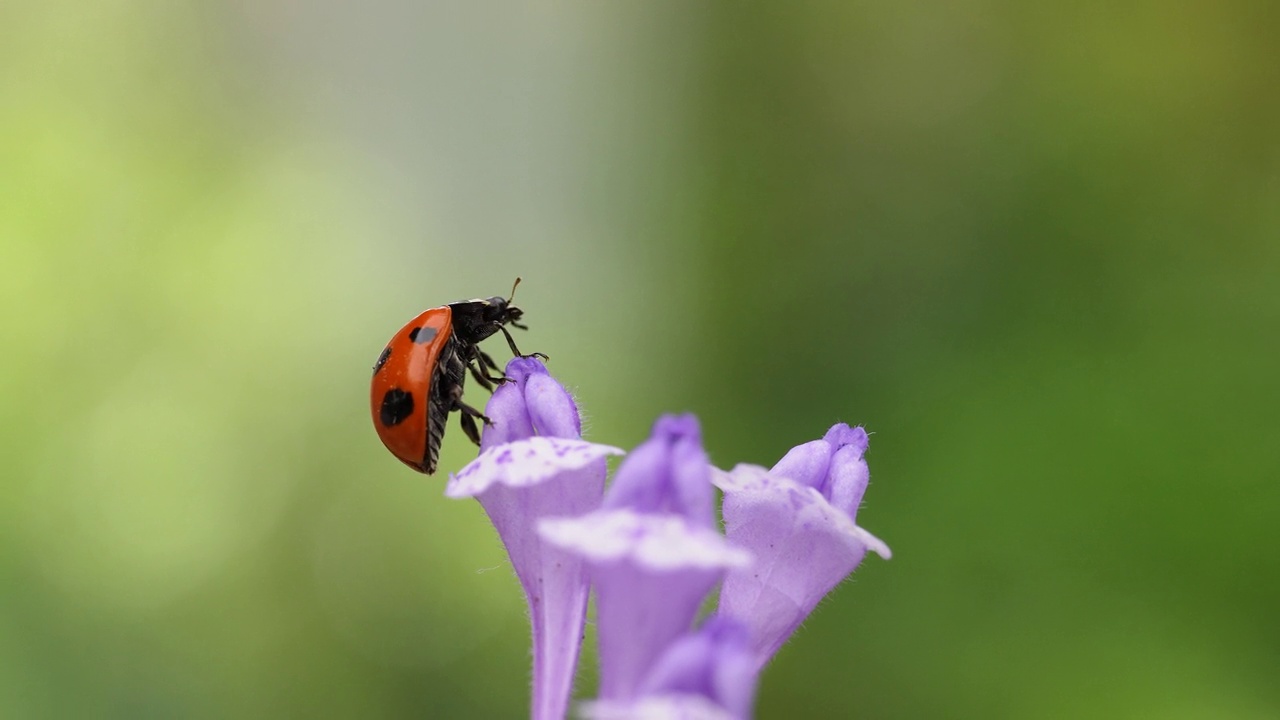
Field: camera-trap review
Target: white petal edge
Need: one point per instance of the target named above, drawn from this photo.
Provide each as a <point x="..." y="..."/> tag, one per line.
<point x="743" y="476"/>
<point x="524" y="463"/>
<point x="658" y="707"/>
<point x="754" y="480"/>
<point x="656" y="542"/>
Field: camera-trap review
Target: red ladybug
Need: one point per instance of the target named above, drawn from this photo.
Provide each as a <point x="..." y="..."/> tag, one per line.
<point x="418" y="378"/>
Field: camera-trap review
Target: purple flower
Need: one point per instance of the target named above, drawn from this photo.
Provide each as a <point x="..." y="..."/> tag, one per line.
<point x="798" y="521"/>
<point x="710" y="673"/>
<point x="654" y="553"/>
<point x="533" y="466"/>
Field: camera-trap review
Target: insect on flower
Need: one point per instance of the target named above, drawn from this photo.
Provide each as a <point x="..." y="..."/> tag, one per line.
<point x="418" y="378"/>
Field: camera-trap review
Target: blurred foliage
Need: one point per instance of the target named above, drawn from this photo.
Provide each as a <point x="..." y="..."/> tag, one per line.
<point x="1033" y="248"/>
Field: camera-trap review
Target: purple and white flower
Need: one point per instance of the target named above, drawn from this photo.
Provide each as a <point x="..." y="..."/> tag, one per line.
<point x="533" y="466"/>
<point x="709" y="674"/>
<point x="653" y="550"/>
<point x="798" y="520"/>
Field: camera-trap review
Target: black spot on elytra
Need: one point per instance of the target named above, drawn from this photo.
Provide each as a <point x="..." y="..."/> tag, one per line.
<point x="422" y="335"/>
<point x="397" y="405"/>
<point x="382" y="359"/>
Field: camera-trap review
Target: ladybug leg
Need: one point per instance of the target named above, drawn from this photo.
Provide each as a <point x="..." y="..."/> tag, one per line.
<point x="477" y="365"/>
<point x="481" y="377"/>
<point x="511" y="343"/>
<point x="468" y="418"/>
<point x="468" y="414"/>
<point x="469" y="427"/>
<point x="485" y="359"/>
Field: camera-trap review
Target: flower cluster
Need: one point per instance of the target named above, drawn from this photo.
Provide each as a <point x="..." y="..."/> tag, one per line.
<point x="651" y="548"/>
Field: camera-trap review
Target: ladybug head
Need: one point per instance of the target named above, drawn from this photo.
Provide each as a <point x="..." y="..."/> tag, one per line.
<point x="501" y="310"/>
<point x="475" y="320"/>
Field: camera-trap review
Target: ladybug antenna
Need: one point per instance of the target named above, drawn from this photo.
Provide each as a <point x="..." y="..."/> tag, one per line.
<point x="513" y="313"/>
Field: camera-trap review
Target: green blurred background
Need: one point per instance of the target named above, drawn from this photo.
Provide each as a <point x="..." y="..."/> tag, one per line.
<point x="1032" y="247"/>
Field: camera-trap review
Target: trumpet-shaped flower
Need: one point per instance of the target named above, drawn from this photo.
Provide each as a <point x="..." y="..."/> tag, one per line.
<point x="654" y="553"/>
<point x="798" y="521"/>
<point x="709" y="674"/>
<point x="533" y="466"/>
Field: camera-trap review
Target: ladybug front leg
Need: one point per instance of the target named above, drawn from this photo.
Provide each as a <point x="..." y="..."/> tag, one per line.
<point x="511" y="343"/>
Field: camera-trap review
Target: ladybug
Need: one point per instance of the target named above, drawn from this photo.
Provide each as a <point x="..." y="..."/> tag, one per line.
<point x="418" y="378"/>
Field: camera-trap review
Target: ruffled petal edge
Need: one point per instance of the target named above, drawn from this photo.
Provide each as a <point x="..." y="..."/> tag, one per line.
<point x="655" y="542"/>
<point x="524" y="463"/>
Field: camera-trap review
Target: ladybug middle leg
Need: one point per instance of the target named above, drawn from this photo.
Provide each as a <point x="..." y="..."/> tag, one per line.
<point x="480" y="364"/>
<point x="485" y="359"/>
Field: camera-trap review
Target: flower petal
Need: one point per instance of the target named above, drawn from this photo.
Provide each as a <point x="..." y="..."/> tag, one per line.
<point x="638" y="614"/>
<point x="847" y="480"/>
<point x="803" y="547"/>
<point x="551" y="408"/>
<point x="657" y="707"/>
<point x="534" y="466"/>
<point x="524" y="463"/>
<point x="715" y="662"/>
<point x="651" y="573"/>
<point x="667" y="473"/>
<point x="531" y="403"/>
<point x="806" y="464"/>
<point x="653" y="542"/>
